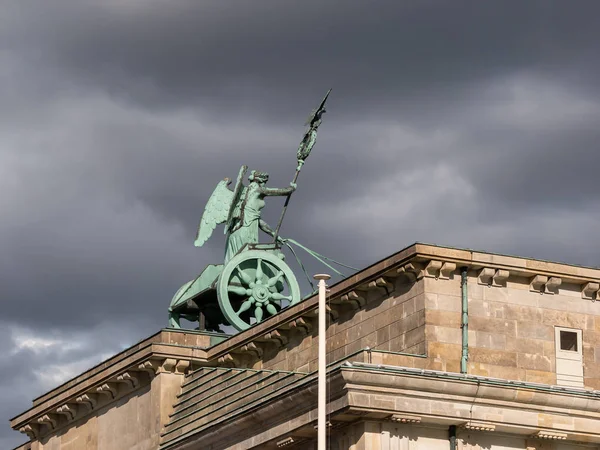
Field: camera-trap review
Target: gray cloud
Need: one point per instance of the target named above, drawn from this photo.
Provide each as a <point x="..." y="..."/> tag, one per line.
<point x="460" y="123"/>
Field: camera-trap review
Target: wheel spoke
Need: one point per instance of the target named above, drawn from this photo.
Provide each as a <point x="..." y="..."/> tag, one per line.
<point x="253" y="287"/>
<point x="273" y="281"/>
<point x="259" y="271"/>
<point x="258" y="314"/>
<point x="271" y="309"/>
<point x="239" y="290"/>
<point x="246" y="305"/>
<point x="244" y="277"/>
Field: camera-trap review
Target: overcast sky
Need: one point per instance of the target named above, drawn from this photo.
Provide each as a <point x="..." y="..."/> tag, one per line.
<point x="464" y="123"/>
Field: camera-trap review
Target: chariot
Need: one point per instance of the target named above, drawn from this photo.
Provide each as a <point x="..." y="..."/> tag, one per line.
<point x="256" y="283"/>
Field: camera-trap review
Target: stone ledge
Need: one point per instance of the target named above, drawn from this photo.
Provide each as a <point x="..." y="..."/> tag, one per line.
<point x="99" y="396"/>
<point x="413" y="264"/>
<point x="103" y="382"/>
<point x="360" y="394"/>
<point x="168" y="337"/>
<point x="446" y="399"/>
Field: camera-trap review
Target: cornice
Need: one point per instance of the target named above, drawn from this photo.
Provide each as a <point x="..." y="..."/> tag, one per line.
<point x="370" y="393"/>
<point x="474" y="402"/>
<point x="120" y="375"/>
<point x="519" y="266"/>
<point x="412" y="264"/>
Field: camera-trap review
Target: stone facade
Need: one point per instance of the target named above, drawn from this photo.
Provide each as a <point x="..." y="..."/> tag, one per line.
<point x="392" y="319"/>
<point x="394" y="348"/>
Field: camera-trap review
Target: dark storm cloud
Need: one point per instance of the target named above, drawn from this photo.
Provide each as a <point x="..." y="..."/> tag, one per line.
<point x="471" y="124"/>
<point x="269" y="55"/>
<point x="32" y="363"/>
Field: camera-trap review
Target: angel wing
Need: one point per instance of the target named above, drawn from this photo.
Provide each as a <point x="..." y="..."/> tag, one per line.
<point x="215" y="212"/>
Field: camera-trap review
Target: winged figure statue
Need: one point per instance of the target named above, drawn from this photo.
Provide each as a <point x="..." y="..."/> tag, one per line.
<point x="240" y="211"/>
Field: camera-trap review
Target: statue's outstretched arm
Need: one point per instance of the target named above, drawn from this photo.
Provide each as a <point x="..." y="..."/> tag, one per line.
<point x="277" y="192"/>
<point x="267" y="229"/>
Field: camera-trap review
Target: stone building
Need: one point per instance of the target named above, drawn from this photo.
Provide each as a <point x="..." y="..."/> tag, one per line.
<point x="431" y="348"/>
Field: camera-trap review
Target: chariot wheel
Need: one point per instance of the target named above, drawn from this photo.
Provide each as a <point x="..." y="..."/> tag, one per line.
<point x="255" y="284"/>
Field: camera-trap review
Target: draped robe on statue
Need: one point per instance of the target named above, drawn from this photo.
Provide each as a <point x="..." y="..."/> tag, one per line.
<point x="246" y="228"/>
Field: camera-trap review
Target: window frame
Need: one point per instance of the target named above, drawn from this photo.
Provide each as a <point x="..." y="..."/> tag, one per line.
<point x="576" y="355"/>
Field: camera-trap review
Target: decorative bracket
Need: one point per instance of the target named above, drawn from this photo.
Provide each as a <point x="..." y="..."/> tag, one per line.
<point x="128" y="379"/>
<point x="552" y="435"/>
<point x="478" y="426"/>
<point x="382" y="283"/>
<point x="493" y="277"/>
<point x="333" y="314"/>
<point x="405" y="418"/>
<point x="32" y="430"/>
<point x="226" y="360"/>
<point x="413" y="271"/>
<point x="168" y="366"/>
<point x="537" y="283"/>
<point x="485" y="276"/>
<point x="432" y="270"/>
<point x="447" y="270"/>
<point x="500" y="277"/>
<point x="182" y="366"/>
<point x="89" y="400"/>
<point x="328" y="424"/>
<point x="355" y="300"/>
<point x="552" y="285"/>
<point x="277" y="337"/>
<point x="545" y="285"/>
<point x="150" y="367"/>
<point x="252" y="349"/>
<point x="108" y="389"/>
<point x="48" y="419"/>
<point x="301" y="324"/>
<point x="285" y="442"/>
<point x="70" y="411"/>
<point x="589" y="290"/>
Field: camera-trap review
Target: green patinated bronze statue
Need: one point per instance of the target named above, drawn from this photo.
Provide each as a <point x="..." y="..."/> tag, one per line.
<point x="243" y="227"/>
<point x="253" y="280"/>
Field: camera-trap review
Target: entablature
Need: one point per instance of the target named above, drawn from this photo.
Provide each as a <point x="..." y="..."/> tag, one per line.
<point x="125" y="372"/>
<point x="415" y="263"/>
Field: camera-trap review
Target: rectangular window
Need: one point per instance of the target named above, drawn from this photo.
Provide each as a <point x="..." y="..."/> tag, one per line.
<point x="568" y="340"/>
<point x="569" y="357"/>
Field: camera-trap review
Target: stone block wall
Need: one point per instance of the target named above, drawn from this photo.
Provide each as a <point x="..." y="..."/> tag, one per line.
<point x="392" y="321"/>
<point x="511" y="328"/>
<point x="443" y="323"/>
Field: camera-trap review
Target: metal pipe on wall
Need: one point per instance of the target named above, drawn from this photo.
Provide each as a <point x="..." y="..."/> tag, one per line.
<point x="452" y="437"/>
<point x="322" y="372"/>
<point x="464" y="320"/>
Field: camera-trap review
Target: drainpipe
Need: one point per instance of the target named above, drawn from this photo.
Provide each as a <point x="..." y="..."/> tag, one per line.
<point x="452" y="437"/>
<point x="464" y="320"/>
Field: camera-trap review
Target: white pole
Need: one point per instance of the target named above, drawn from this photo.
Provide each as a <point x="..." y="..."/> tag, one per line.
<point x="322" y="404"/>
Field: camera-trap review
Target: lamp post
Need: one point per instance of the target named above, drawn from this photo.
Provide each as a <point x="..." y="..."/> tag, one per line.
<point x="322" y="372"/>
